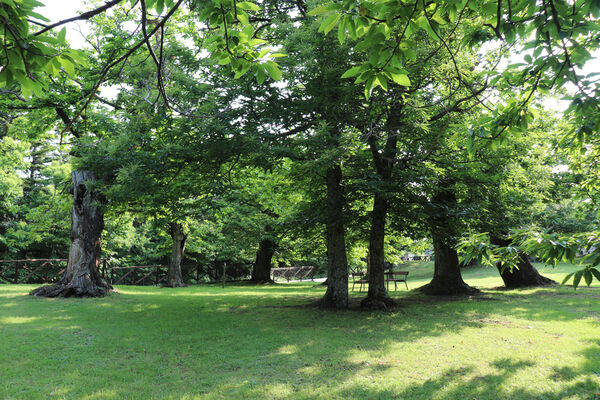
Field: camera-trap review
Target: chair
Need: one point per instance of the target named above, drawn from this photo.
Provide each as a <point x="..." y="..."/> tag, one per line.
<point x="359" y="277"/>
<point x="396" y="276"/>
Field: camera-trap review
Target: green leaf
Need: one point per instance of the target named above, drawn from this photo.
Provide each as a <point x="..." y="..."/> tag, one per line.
<point x="382" y="80"/>
<point x="255" y="41"/>
<point x="38" y="16"/>
<point x="263" y="52"/>
<point x="577" y="278"/>
<point x="68" y="66"/>
<point x="62" y="35"/>
<point x="325" y="9"/>
<point x="369" y="87"/>
<point x="490" y="8"/>
<point x="342" y="31"/>
<point x="260" y="74"/>
<point x="595" y="272"/>
<point x="329" y="22"/>
<point x="400" y="79"/>
<point x="26" y="90"/>
<point x="587" y="276"/>
<point x="243" y="18"/>
<point x="273" y="70"/>
<point x="246" y="5"/>
<point x="160" y="6"/>
<point x="437" y="17"/>
<point x="566" y="279"/>
<point x="351" y="72"/>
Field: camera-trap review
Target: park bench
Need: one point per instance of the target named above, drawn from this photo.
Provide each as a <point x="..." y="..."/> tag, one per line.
<point x="360" y="278"/>
<point x="396" y="276"/>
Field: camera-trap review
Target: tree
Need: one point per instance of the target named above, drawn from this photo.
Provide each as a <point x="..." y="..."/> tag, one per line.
<point x="198" y="130"/>
<point x="82" y="277"/>
<point x="556" y="42"/>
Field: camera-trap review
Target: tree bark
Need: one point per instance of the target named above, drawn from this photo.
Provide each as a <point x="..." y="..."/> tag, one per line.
<point x="174" y="276"/>
<point x="447" y="278"/>
<point x="377" y="296"/>
<point x="82" y="277"/>
<point x="336" y="295"/>
<point x="524" y="275"/>
<point x="261" y="272"/>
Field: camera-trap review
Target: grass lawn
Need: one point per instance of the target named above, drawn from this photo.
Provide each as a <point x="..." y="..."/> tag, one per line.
<point x="243" y="342"/>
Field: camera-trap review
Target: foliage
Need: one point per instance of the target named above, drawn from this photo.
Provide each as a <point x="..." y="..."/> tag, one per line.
<point x="557" y="40"/>
<point x="550" y="248"/>
<point x="30" y="56"/>
<point x="237" y="158"/>
<point x="35" y="202"/>
<point x="31" y="59"/>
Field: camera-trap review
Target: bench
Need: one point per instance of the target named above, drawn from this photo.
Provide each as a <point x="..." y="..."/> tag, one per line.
<point x="360" y="278"/>
<point x="396" y="276"/>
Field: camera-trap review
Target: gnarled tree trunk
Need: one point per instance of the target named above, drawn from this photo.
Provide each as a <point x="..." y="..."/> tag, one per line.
<point x="82" y="277"/>
<point x="174" y="276"/>
<point x="524" y="275"/>
<point x="377" y="296"/>
<point x="261" y="272"/>
<point x="336" y="295"/>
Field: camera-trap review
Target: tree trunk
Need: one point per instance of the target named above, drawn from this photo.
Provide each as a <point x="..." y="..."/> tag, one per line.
<point x="261" y="272"/>
<point x="82" y="277"/>
<point x="447" y="279"/>
<point x="524" y="275"/>
<point x="377" y="296"/>
<point x="336" y="295"/>
<point x="174" y="276"/>
<point x="383" y="161"/>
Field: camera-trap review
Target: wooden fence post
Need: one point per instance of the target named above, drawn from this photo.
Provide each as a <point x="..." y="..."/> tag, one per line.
<point x="224" y="269"/>
<point x="16" y="272"/>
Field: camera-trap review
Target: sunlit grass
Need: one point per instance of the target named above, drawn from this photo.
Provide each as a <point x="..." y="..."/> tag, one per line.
<point x="244" y="342"/>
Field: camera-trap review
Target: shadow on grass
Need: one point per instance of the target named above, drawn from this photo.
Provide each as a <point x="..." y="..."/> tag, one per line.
<point x="466" y="383"/>
<point x="238" y="343"/>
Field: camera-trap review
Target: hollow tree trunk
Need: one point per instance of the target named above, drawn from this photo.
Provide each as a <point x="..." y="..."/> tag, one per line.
<point x="261" y="272"/>
<point x="377" y="297"/>
<point x="82" y="277"/>
<point x="174" y="276"/>
<point x="336" y="295"/>
<point x="447" y="278"/>
<point x="524" y="275"/>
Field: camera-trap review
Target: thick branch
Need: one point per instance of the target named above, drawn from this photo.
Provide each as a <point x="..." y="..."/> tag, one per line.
<point x="85" y="16"/>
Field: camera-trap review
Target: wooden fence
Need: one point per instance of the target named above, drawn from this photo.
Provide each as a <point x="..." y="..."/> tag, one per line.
<point x="141" y="275"/>
<point x="45" y="270"/>
<point x="39" y="270"/>
<point x="51" y="270"/>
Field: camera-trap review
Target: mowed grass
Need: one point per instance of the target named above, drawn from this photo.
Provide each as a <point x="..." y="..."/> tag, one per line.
<point x="244" y="342"/>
